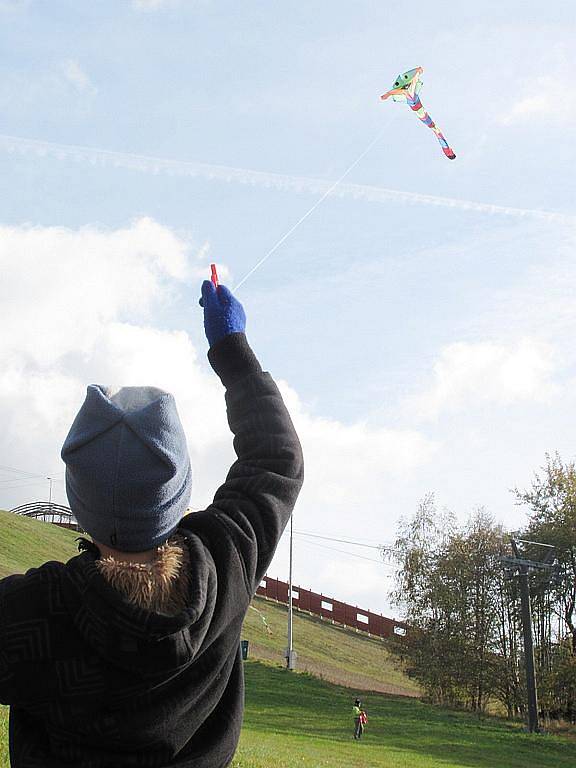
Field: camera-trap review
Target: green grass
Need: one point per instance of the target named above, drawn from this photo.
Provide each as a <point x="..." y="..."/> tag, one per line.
<point x="297" y="720"/>
<point x="26" y="543"/>
<point x="4" y="754"/>
<point x="302" y="720"/>
<point x="326" y="650"/>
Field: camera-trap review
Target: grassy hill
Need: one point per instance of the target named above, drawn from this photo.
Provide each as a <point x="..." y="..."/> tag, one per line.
<point x="305" y="719"/>
<point x="26" y="543"/>
<point x="326" y="650"/>
<point x="339" y="655"/>
<point x="297" y="720"/>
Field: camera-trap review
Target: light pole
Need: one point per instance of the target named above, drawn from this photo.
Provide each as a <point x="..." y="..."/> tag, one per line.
<point x="50" y="510"/>
<point x="290" y="652"/>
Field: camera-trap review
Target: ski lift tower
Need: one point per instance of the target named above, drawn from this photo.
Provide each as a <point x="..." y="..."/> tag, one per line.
<point x="522" y="567"/>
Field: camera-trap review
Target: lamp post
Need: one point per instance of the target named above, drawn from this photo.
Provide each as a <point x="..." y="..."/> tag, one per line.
<point x="50" y="500"/>
<point x="290" y="652"/>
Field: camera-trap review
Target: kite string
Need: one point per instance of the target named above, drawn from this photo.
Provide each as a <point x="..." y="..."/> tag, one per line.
<point x="316" y="204"/>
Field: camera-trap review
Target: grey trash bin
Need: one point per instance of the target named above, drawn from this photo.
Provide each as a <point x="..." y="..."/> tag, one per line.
<point x="244" y="647"/>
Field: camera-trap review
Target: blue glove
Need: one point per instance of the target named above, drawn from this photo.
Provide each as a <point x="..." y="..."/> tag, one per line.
<point x="223" y="314"/>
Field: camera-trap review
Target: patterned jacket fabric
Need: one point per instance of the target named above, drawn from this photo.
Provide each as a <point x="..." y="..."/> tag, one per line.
<point x="105" y="666"/>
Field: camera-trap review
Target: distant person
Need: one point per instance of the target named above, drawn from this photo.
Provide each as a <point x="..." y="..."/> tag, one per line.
<point x="129" y="654"/>
<point x="357" y="713"/>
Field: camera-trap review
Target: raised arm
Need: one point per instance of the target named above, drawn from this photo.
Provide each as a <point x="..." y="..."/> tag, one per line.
<point x="256" y="500"/>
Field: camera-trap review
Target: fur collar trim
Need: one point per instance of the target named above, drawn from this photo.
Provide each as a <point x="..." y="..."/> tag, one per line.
<point x="161" y="586"/>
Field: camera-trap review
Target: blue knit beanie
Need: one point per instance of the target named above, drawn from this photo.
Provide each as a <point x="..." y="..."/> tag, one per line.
<point x="128" y="473"/>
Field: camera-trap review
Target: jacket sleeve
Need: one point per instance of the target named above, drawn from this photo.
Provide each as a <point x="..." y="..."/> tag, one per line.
<point x="6" y="668"/>
<point x="257" y="498"/>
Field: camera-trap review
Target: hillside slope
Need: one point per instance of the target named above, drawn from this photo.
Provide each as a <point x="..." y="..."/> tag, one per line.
<point x="26" y="543"/>
<point x="327" y="651"/>
<point x="300" y="720"/>
<point x="295" y="720"/>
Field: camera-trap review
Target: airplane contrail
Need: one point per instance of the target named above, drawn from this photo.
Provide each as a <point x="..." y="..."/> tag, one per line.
<point x="263" y="179"/>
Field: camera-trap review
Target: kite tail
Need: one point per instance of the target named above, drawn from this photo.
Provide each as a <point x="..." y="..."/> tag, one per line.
<point x="416" y="106"/>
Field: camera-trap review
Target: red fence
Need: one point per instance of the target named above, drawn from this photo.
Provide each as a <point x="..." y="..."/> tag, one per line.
<point x="328" y="608"/>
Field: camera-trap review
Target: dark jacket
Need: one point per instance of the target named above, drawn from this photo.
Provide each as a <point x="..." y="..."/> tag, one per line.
<point x="94" y="679"/>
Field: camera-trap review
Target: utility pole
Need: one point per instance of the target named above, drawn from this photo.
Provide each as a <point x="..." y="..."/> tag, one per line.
<point x="521" y="566"/>
<point x="290" y="652"/>
<point x="533" y="725"/>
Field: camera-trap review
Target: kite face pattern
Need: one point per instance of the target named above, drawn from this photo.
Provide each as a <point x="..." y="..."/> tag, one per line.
<point x="406" y="88"/>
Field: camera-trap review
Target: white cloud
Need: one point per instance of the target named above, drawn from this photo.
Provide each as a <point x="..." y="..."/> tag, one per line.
<point x="14" y="5"/>
<point x="471" y="375"/>
<point x="82" y="306"/>
<point x="60" y="287"/>
<point x="63" y="89"/>
<point x="355" y="580"/>
<point x="541" y="302"/>
<point x="153" y="5"/>
<point x="343" y="459"/>
<point x="545" y="99"/>
<point x="68" y="298"/>
<point x="77" y="77"/>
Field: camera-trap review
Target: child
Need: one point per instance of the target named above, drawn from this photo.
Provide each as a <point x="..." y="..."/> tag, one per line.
<point x="357" y="714"/>
<point x="129" y="654"/>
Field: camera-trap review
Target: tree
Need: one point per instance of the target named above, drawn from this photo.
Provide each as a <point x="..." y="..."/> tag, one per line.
<point x="447" y="585"/>
<point x="552" y="500"/>
<point x="465" y="643"/>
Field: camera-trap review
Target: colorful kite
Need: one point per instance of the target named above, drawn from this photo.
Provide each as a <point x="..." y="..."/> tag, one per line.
<point x="406" y="88"/>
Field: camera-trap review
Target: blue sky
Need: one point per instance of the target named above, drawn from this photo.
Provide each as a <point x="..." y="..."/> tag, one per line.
<point x="424" y="344"/>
